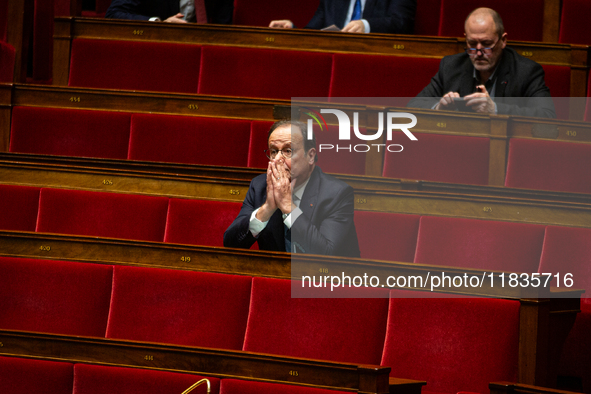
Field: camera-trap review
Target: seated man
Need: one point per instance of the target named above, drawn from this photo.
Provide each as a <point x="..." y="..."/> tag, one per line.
<point x="490" y="77"/>
<point x="361" y="16"/>
<point x="173" y="11"/>
<point x="318" y="220"/>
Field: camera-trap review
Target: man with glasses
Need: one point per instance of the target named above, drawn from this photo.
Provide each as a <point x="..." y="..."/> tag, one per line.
<point x="489" y="77"/>
<point x="295" y="207"/>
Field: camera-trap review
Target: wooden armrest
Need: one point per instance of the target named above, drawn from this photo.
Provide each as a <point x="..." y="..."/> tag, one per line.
<point x="517" y="388"/>
<point x="405" y="386"/>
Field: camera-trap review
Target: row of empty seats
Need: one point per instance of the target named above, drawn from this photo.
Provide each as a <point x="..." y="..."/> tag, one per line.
<point x="259" y="315"/>
<point x="22" y="375"/>
<point x="532" y="163"/>
<point x="255" y="72"/>
<point x="429" y="240"/>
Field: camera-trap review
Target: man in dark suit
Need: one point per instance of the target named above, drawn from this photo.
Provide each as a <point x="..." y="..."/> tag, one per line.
<point x="490" y="77"/>
<point x="218" y="11"/>
<point x="316" y="218"/>
<point x="361" y="16"/>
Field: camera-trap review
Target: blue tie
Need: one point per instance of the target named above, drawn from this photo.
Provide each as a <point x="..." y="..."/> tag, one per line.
<point x="356" y="11"/>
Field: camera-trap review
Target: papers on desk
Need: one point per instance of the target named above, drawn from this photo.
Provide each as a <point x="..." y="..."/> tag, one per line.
<point x="331" y="28"/>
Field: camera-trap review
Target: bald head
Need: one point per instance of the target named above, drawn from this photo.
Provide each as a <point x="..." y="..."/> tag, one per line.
<point x="481" y="18"/>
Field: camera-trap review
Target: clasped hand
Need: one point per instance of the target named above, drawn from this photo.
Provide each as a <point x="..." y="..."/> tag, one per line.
<point x="279" y="187"/>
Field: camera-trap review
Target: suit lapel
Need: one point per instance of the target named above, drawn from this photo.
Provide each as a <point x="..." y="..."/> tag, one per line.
<point x="310" y="196"/>
<point x="340" y="13"/>
<point x="503" y="76"/>
<point x="467" y="83"/>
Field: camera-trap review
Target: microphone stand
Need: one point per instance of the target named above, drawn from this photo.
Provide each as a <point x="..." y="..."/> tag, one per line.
<point x="198" y="384"/>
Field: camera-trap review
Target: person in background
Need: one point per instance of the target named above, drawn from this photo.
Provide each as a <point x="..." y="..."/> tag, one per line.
<point x="173" y="11"/>
<point x="361" y="16"/>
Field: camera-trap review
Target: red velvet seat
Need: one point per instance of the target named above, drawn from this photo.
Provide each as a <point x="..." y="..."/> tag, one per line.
<point x="69" y="132"/>
<point x="179" y="307"/>
<point x="233" y="386"/>
<point x="192" y="140"/>
<point x="266" y="73"/>
<point x="258" y="143"/>
<point x="54" y="296"/>
<point x="441" y="158"/>
<point x="134" y="65"/>
<point x="199" y="222"/>
<point x="95" y="379"/>
<point x="588" y="101"/>
<point x="100" y="214"/>
<point x="335" y="329"/>
<point x="340" y="156"/>
<point x="479" y="244"/>
<point x="427" y="17"/>
<point x="454" y="344"/>
<point x="22" y="375"/>
<point x="575" y="15"/>
<point x="380" y="76"/>
<point x="454" y="13"/>
<point x="7" y="60"/>
<point x="19" y="207"/>
<point x="558" y="81"/>
<point x="549" y="165"/>
<point x="568" y="250"/>
<point x="387" y="236"/>
<point x="262" y="12"/>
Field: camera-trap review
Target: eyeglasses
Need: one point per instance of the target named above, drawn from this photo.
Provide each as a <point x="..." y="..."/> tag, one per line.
<point x="484" y="51"/>
<point x="272" y="153"/>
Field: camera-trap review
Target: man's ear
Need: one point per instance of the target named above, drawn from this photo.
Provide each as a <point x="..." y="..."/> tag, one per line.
<point x="311" y="156"/>
<point x="504" y="39"/>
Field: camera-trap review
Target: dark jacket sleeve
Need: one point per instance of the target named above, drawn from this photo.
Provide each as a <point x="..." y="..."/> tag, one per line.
<point x="331" y="234"/>
<point x="397" y="18"/>
<point x="238" y="234"/>
<point x="126" y="9"/>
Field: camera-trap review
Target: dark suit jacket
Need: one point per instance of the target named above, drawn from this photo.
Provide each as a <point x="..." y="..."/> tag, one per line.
<point x="383" y="16"/>
<point x="520" y="88"/>
<point x="325" y="227"/>
<point x="218" y="11"/>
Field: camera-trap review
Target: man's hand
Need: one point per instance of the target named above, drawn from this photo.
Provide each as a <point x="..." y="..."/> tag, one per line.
<point x="447" y="101"/>
<point x="354" y="27"/>
<point x="269" y="207"/>
<point x="480" y="102"/>
<point x="178" y="18"/>
<point x="281" y="186"/>
<point x="282" y="24"/>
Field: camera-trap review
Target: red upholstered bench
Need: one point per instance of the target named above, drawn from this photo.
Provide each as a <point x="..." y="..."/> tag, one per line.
<point x="69" y="132"/>
<point x="262" y="12"/>
<point x="258" y="143"/>
<point x="188" y="139"/>
<point x="427" y="17"/>
<point x="22" y="375"/>
<point x="20" y="205"/>
<point x="479" y="244"/>
<point x="54" y="296"/>
<point x="179" y="307"/>
<point x="387" y="236"/>
<point x="454" y="13"/>
<point x="335" y="329"/>
<point x="575" y="15"/>
<point x="100" y="214"/>
<point x="549" y="165"/>
<point x="199" y="222"/>
<point x="340" y="156"/>
<point x="134" y="65"/>
<point x="267" y="73"/>
<point x="380" y="76"/>
<point x="568" y="250"/>
<point x="441" y="158"/>
<point x="454" y="344"/>
<point x="95" y="379"/>
<point x="558" y="81"/>
<point x="7" y="59"/>
<point x="234" y="386"/>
